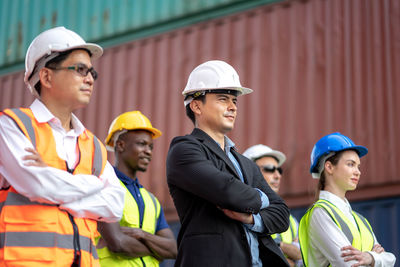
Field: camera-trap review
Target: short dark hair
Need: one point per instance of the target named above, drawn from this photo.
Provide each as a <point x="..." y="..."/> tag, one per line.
<point x="189" y="111"/>
<point x="56" y="62"/>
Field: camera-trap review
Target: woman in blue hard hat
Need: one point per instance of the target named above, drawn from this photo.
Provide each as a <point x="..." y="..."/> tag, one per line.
<point x="331" y="233"/>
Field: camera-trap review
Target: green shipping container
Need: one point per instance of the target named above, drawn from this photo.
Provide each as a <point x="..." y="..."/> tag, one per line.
<point x="107" y="22"/>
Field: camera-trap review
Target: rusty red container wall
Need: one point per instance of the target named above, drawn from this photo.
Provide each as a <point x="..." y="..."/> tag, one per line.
<point x="315" y="66"/>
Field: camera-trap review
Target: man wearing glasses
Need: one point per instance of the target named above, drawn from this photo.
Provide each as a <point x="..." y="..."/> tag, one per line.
<point x="55" y="180"/>
<point x="270" y="161"/>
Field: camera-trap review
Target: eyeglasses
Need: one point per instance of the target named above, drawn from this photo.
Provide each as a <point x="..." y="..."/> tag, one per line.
<point x="271" y="169"/>
<point x="82" y="69"/>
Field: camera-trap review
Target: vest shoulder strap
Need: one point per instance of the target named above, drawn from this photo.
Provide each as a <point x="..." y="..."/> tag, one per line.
<point x="365" y="221"/>
<point x="97" y="157"/>
<point x="336" y="218"/>
<point x="154" y="199"/>
<point x="293" y="226"/>
<point x="26" y="121"/>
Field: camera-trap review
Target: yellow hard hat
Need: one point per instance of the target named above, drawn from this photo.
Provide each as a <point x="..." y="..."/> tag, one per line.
<point x="131" y="120"/>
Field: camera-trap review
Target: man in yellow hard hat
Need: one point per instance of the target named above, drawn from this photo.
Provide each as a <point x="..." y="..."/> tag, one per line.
<point x="142" y="237"/>
<point x="270" y="161"/>
<point x="55" y="180"/>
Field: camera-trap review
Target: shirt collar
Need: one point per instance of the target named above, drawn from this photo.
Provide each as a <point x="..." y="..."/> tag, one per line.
<point x="228" y="143"/>
<point x="334" y="199"/>
<point x="126" y="179"/>
<point x="43" y="115"/>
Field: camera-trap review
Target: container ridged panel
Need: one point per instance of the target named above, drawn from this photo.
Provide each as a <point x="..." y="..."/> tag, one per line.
<point x="97" y="20"/>
<point x="315" y="66"/>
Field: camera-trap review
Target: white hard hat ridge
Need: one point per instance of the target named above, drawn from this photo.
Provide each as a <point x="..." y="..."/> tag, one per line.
<point x="258" y="151"/>
<point x="48" y="45"/>
<point x="214" y="75"/>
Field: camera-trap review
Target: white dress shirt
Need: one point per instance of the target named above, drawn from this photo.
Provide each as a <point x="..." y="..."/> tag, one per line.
<point x="326" y="239"/>
<point x="100" y="198"/>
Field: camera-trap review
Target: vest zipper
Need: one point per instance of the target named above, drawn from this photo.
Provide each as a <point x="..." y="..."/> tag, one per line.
<point x="77" y="245"/>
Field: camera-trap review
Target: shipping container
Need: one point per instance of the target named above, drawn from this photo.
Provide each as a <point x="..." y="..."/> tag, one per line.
<point x="315" y="66"/>
<point x="103" y="21"/>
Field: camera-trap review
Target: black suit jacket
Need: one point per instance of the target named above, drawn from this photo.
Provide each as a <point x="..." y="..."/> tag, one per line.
<point x="202" y="179"/>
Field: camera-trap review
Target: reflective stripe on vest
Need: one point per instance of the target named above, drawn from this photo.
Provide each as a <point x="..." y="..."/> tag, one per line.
<point x="97" y="161"/>
<point x="32" y="231"/>
<point x="97" y="165"/>
<point x="45" y="240"/>
<point x="38" y="239"/>
<point x="338" y="220"/>
<point x="130" y="218"/>
<point x="27" y="123"/>
<point x="360" y="236"/>
<point x="363" y="220"/>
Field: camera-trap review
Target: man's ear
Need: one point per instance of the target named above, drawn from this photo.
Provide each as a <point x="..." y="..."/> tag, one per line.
<point x="119" y="145"/>
<point x="195" y="106"/>
<point x="45" y="76"/>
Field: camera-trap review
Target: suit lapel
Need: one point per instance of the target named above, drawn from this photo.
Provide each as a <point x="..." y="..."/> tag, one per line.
<point x="247" y="178"/>
<point x="214" y="147"/>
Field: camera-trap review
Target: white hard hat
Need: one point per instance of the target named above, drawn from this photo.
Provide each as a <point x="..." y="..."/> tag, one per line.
<point x="47" y="46"/>
<point x="213" y="75"/>
<point x="258" y="151"/>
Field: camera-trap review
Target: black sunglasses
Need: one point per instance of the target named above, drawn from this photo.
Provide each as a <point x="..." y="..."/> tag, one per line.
<point x="82" y="69"/>
<point x="271" y="169"/>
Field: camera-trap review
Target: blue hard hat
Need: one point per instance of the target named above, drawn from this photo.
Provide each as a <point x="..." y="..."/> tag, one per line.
<point x="333" y="142"/>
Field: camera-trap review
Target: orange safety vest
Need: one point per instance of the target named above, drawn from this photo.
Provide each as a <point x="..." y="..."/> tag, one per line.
<point x="37" y="234"/>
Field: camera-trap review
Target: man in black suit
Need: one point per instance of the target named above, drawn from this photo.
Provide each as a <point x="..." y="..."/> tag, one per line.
<point x="226" y="209"/>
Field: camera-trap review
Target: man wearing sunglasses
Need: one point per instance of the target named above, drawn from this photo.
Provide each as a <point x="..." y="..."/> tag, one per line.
<point x="55" y="178"/>
<point x="270" y="161"/>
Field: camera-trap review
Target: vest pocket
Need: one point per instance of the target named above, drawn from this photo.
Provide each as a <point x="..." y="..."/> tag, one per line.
<point x="29" y="233"/>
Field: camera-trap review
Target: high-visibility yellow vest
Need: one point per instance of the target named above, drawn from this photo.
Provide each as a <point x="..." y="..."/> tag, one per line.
<point x="290" y="234"/>
<point x="42" y="234"/>
<point x="130" y="218"/>
<point x="361" y="236"/>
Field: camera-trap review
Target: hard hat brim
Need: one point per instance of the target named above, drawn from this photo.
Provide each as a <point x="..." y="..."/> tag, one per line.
<point x="276" y="154"/>
<point x="110" y="138"/>
<point x="95" y="50"/>
<point x="156" y="133"/>
<point x="188" y="94"/>
<point x="259" y="151"/>
<point x="242" y="90"/>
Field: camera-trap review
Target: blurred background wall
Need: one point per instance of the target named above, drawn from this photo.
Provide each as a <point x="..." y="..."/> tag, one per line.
<point x="316" y="67"/>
